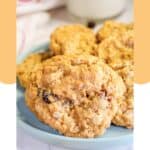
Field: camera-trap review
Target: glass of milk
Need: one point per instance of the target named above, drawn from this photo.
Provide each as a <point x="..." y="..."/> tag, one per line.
<point x="95" y="9"/>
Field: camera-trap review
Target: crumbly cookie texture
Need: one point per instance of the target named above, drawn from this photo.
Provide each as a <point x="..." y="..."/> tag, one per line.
<point x="116" y="49"/>
<point x="124" y="116"/>
<point x="72" y="39"/>
<point x="111" y="27"/>
<point x="75" y="94"/>
<point x="29" y="65"/>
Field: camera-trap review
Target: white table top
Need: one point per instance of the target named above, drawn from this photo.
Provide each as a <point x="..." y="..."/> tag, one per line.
<point x="59" y="16"/>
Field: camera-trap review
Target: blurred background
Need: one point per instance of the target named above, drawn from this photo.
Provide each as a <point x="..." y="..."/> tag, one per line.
<point x="36" y="19"/>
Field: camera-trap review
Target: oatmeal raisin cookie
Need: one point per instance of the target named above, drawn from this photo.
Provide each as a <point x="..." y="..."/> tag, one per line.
<point x="75" y="94"/>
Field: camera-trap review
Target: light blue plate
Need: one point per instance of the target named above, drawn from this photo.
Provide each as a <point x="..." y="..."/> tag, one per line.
<point x="114" y="137"/>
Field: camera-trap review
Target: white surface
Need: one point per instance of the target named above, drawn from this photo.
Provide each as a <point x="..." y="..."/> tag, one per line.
<point x="7" y="116"/>
<point x="142" y="117"/>
<point x="25" y="142"/>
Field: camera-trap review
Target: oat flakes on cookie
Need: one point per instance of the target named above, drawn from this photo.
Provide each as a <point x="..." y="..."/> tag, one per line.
<point x="75" y="94"/>
<point x="72" y="39"/>
<point x="28" y="65"/>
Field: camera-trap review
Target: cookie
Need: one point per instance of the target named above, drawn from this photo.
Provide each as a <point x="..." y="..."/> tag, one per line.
<point x="124" y="115"/>
<point x="27" y="66"/>
<point x="117" y="51"/>
<point x="77" y="95"/>
<point x="72" y="39"/>
<point x="111" y="27"/>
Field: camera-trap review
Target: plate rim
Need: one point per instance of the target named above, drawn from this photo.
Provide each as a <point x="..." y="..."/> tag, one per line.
<point x="35" y="130"/>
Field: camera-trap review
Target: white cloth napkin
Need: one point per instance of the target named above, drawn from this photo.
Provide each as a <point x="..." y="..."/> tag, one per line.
<point x="29" y="29"/>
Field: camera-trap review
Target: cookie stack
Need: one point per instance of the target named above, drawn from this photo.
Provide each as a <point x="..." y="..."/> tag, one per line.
<point x="84" y="82"/>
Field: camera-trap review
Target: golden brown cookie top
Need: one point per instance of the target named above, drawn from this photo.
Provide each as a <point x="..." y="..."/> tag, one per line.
<point x="117" y="49"/>
<point x="75" y="76"/>
<point x="72" y="39"/>
<point x="111" y="27"/>
<point x="24" y="69"/>
<point x="75" y="94"/>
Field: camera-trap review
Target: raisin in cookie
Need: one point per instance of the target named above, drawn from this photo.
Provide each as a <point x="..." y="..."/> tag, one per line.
<point x="111" y="27"/>
<point x="29" y="64"/>
<point x="117" y="51"/>
<point x="72" y="39"/>
<point x="75" y="94"/>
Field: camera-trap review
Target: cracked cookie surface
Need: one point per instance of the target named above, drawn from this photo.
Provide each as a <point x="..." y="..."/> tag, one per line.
<point x="75" y="94"/>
